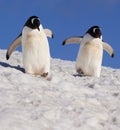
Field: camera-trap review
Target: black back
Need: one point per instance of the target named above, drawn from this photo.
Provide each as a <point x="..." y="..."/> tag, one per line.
<point x="95" y="31"/>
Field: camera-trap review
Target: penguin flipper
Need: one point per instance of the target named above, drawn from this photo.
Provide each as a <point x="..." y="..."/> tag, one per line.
<point x="13" y="46"/>
<point x="108" y="49"/>
<point x="48" y="32"/>
<point x="72" y="40"/>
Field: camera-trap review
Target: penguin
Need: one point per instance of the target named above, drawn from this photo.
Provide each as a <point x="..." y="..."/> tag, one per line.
<point x="35" y="47"/>
<point x="89" y="59"/>
<point x="17" y="42"/>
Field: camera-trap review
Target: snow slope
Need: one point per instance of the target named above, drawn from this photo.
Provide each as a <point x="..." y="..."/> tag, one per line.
<point x="65" y="102"/>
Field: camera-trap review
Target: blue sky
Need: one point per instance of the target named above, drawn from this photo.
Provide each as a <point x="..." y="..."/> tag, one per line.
<point x="65" y="18"/>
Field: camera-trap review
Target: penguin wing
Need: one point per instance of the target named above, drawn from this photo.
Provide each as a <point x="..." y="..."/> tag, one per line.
<point x="48" y="32"/>
<point x="108" y="48"/>
<point x="13" y="46"/>
<point x="72" y="40"/>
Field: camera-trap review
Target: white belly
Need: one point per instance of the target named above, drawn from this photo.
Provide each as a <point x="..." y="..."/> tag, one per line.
<point x="35" y="52"/>
<point x="89" y="58"/>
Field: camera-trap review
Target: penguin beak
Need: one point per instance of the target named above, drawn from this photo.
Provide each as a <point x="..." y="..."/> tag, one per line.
<point x="38" y="28"/>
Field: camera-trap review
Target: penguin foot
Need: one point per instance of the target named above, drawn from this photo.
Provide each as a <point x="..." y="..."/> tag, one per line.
<point x="80" y="71"/>
<point x="44" y="74"/>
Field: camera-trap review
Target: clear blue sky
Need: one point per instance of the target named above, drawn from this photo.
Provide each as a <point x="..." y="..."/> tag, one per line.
<point x="65" y="18"/>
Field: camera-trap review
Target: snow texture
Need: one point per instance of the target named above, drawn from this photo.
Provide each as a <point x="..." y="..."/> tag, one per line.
<point x="66" y="102"/>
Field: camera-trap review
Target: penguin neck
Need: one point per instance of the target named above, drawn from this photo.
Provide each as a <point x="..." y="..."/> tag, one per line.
<point x="26" y="30"/>
<point x="88" y="37"/>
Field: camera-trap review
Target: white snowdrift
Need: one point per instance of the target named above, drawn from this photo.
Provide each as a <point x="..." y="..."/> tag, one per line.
<point x="66" y="102"/>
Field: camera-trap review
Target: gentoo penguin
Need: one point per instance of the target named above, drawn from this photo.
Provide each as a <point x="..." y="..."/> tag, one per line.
<point x="90" y="54"/>
<point x="35" y="47"/>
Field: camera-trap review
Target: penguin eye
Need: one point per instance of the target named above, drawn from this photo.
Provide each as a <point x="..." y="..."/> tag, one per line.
<point x="96" y="30"/>
<point x="33" y="20"/>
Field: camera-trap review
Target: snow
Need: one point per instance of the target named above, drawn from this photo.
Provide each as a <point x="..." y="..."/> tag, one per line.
<point x="66" y="102"/>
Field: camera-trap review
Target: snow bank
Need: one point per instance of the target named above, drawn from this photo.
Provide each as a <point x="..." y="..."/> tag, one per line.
<point x="66" y="102"/>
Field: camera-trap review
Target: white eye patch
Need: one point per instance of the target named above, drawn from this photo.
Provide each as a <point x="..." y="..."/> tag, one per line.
<point x="32" y="20"/>
<point x="94" y="29"/>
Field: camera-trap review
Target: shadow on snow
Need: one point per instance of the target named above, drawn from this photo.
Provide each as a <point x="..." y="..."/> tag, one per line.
<point x="14" y="67"/>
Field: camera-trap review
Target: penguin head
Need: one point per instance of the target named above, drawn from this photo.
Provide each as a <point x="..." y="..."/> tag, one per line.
<point x="33" y="22"/>
<point x="95" y="32"/>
